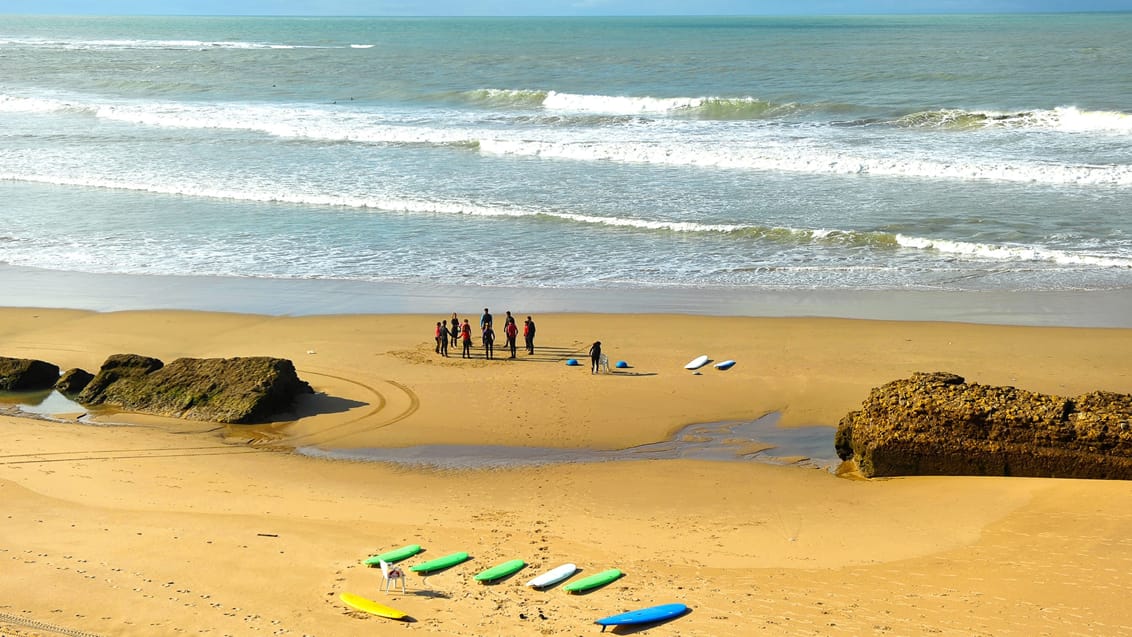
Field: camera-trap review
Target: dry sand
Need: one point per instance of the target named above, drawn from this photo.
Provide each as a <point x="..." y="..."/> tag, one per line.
<point x="163" y="527"/>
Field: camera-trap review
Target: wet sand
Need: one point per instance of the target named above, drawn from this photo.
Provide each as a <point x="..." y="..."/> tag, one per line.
<point x="33" y="287"/>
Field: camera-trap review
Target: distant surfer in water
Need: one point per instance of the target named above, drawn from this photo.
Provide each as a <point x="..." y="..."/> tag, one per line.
<point x="595" y="356"/>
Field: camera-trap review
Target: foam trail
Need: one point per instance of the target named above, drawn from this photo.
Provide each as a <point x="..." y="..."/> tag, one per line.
<point x="741" y="147"/>
<point x="815" y="161"/>
<point x="966" y="250"/>
<point x="1013" y="253"/>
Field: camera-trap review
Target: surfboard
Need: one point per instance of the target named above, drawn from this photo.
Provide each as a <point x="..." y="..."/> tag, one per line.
<point x="593" y="581"/>
<point x="697" y="362"/>
<point x="643" y="616"/>
<point x="500" y="571"/>
<point x="725" y="365"/>
<point x="441" y="563"/>
<point x="367" y="605"/>
<point x="553" y="576"/>
<point x="394" y="556"/>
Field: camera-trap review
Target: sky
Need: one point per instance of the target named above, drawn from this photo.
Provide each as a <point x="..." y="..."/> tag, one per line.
<point x="546" y="7"/>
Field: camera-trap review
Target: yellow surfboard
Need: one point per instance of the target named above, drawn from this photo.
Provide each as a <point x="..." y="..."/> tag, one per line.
<point x="369" y="606"/>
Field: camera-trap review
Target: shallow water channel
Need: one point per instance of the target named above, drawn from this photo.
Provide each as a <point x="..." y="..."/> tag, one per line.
<point x="759" y="440"/>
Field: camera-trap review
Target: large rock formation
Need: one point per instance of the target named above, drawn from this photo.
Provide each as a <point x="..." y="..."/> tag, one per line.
<point x="230" y="390"/>
<point x="937" y="424"/>
<point x="25" y="374"/>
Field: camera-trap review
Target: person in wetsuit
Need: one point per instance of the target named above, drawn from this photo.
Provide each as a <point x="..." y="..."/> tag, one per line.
<point x="466" y="335"/>
<point x="488" y="342"/>
<point x="529" y="334"/>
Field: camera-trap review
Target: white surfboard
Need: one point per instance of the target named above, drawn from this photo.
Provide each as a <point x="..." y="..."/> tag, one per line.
<point x="725" y="365"/>
<point x="553" y="576"/>
<point x="697" y="362"/>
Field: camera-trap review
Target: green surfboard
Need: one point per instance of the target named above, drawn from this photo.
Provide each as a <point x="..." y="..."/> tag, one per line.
<point x="441" y="563"/>
<point x="500" y="570"/>
<point x="593" y="581"/>
<point x="396" y="555"/>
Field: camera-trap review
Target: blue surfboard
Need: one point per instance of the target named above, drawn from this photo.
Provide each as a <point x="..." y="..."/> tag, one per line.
<point x="643" y="616"/>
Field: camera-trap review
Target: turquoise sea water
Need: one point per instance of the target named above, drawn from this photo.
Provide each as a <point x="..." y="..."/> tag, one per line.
<point x="964" y="153"/>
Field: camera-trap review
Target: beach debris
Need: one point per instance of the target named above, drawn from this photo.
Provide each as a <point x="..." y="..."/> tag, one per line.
<point x="621" y="365"/>
<point x="935" y="423"/>
<point x="572" y="362"/>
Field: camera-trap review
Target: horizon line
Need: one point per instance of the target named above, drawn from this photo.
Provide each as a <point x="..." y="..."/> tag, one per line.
<point x="587" y="15"/>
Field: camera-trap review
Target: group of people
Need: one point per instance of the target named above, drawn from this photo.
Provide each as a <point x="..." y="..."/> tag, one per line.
<point x="461" y="333"/>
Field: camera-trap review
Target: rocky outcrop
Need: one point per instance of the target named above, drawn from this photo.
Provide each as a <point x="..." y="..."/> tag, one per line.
<point x="229" y="390"/>
<point x="73" y="381"/>
<point x="938" y="424"/>
<point x="25" y="374"/>
<point x="119" y="367"/>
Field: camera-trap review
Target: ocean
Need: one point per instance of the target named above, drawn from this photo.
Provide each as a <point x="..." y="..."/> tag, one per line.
<point x="717" y="155"/>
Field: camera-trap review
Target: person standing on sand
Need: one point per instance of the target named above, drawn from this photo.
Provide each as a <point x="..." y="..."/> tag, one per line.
<point x="466" y="335"/>
<point x="455" y="331"/>
<point x="439" y="335"/>
<point x="485" y="320"/>
<point x="529" y="334"/>
<point x="442" y="338"/>
<point x="595" y="356"/>
<point x="488" y="342"/>
<point x="512" y="332"/>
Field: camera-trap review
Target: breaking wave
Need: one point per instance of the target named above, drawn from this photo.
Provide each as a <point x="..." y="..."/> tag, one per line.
<point x="1064" y="118"/>
<point x="776" y="234"/>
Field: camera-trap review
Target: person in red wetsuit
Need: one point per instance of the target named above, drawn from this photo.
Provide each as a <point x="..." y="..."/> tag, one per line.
<point x="466" y="336"/>
<point x="512" y="332"/>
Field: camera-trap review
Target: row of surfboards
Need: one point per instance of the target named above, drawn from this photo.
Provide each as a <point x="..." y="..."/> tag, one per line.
<point x="506" y="569"/>
<point x="499" y="571"/>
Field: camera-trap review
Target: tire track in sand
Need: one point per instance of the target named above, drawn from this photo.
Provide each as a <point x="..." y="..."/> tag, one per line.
<point x="361" y="423"/>
<point x="38" y="625"/>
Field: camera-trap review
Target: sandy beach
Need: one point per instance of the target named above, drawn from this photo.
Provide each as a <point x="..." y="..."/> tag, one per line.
<point x="834" y="196"/>
<point x="161" y="527"/>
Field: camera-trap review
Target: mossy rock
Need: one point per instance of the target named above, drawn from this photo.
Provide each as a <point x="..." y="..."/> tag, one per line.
<point x="27" y="374"/>
<point x="229" y="390"/>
